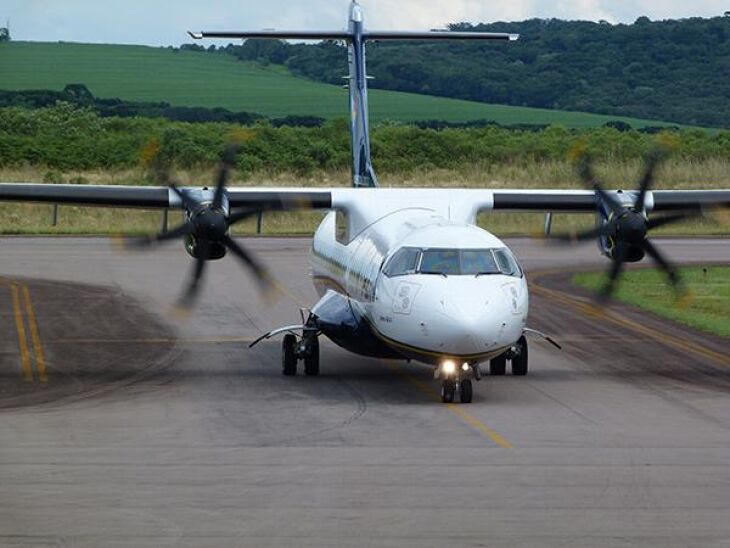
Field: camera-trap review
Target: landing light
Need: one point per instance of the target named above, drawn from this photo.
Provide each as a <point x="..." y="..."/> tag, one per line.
<point x="465" y="366"/>
<point x="448" y="367"/>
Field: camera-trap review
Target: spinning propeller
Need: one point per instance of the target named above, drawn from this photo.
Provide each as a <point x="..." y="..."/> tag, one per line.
<point x="206" y="228"/>
<point x="627" y="225"/>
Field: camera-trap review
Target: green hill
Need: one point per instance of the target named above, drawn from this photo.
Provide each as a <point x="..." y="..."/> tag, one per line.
<point x="188" y="78"/>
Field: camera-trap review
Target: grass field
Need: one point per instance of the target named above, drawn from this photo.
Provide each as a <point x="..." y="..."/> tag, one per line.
<point x="186" y="78"/>
<point x="708" y="309"/>
<point x="30" y="218"/>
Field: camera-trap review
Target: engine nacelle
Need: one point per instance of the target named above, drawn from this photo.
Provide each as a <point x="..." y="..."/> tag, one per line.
<point x="607" y="242"/>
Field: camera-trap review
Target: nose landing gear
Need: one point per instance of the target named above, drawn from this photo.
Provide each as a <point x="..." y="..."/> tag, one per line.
<point x="450" y="387"/>
<point x="457" y="380"/>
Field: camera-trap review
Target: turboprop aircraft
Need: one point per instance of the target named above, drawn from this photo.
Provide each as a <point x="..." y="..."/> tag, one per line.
<point x="401" y="273"/>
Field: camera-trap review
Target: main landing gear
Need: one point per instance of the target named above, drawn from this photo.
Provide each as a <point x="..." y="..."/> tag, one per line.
<point x="518" y="357"/>
<point x="305" y="349"/>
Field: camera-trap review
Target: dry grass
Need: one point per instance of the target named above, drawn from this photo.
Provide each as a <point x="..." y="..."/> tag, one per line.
<point x="30" y="218"/>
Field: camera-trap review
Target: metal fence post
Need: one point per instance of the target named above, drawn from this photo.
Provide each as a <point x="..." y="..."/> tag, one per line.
<point x="54" y="219"/>
<point x="259" y="221"/>
<point x="163" y="228"/>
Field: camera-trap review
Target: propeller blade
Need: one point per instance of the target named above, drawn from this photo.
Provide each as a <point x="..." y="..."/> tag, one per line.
<point x="228" y="161"/>
<point x="192" y="290"/>
<point x="188" y="202"/>
<point x="670" y="271"/>
<point x="613" y="273"/>
<point x="669" y="219"/>
<point x="585" y="171"/>
<point x="651" y="162"/>
<point x="602" y="230"/>
<point x="177" y="232"/>
<point x="259" y="271"/>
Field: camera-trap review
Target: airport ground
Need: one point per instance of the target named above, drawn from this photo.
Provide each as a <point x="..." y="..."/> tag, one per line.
<point x="122" y="425"/>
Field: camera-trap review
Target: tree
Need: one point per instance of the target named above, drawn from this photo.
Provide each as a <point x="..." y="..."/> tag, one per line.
<point x="4" y="34"/>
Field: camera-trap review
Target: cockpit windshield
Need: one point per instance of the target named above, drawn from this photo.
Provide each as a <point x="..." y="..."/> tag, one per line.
<point x="448" y="262"/>
<point x="458" y="262"/>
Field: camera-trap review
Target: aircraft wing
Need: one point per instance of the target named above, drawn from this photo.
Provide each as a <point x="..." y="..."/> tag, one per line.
<point x="585" y="200"/>
<point x="160" y="197"/>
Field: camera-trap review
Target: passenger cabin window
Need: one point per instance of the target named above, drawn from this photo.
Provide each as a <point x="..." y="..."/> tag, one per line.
<point x="403" y="262"/>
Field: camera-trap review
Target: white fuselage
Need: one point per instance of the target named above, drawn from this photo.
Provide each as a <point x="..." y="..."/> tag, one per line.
<point x="425" y="316"/>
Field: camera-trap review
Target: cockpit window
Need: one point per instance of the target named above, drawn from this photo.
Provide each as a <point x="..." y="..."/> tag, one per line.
<point x="478" y="261"/>
<point x="403" y="262"/>
<point x="447" y="262"/>
<point x="475" y="262"/>
<point x="507" y="263"/>
<point x="440" y="261"/>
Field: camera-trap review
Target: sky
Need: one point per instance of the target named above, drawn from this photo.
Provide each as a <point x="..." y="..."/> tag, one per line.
<point x="158" y="22"/>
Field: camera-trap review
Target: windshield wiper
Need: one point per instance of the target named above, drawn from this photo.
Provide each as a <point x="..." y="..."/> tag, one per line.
<point x="435" y="273"/>
<point x="485" y="274"/>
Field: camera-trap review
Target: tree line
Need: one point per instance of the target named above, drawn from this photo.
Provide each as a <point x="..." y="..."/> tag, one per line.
<point x="80" y="96"/>
<point x="68" y="137"/>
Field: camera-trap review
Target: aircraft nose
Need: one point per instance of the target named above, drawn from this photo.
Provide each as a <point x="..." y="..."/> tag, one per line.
<point x="479" y="323"/>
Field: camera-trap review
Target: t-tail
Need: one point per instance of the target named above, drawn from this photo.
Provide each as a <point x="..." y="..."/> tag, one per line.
<point x="363" y="174"/>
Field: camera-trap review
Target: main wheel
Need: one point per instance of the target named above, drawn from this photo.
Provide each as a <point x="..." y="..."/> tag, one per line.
<point x="498" y="365"/>
<point x="448" y="388"/>
<point x="311" y="360"/>
<point x="465" y="391"/>
<point x="288" y="355"/>
<point x="519" y="362"/>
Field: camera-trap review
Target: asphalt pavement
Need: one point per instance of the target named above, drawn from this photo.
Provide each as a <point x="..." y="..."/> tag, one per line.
<point x="124" y="424"/>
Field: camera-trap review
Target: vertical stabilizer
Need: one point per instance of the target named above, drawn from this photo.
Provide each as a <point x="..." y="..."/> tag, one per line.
<point x="363" y="174"/>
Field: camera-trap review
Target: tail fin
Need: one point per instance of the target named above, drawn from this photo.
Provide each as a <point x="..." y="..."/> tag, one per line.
<point x="363" y="174"/>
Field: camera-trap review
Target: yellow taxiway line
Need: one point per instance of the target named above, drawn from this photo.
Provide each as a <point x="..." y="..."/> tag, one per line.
<point x="21" y="301"/>
<point x="25" y="363"/>
<point x="455" y="408"/>
<point x="40" y="360"/>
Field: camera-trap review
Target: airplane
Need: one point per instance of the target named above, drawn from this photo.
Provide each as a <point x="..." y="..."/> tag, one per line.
<point x="404" y="274"/>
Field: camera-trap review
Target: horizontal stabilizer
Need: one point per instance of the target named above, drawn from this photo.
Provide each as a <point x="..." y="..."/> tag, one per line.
<point x="275" y="34"/>
<point x="438" y="35"/>
<point x="345" y="35"/>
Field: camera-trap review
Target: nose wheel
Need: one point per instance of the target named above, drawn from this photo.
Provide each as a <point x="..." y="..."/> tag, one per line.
<point x="450" y="387"/>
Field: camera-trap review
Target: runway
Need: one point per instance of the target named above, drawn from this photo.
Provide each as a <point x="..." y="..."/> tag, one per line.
<point x="122" y="425"/>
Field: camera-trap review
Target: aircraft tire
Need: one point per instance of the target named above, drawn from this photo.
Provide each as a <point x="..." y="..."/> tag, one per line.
<point x="465" y="391"/>
<point x="448" y="389"/>
<point x="519" y="363"/>
<point x="288" y="355"/>
<point x="311" y="362"/>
